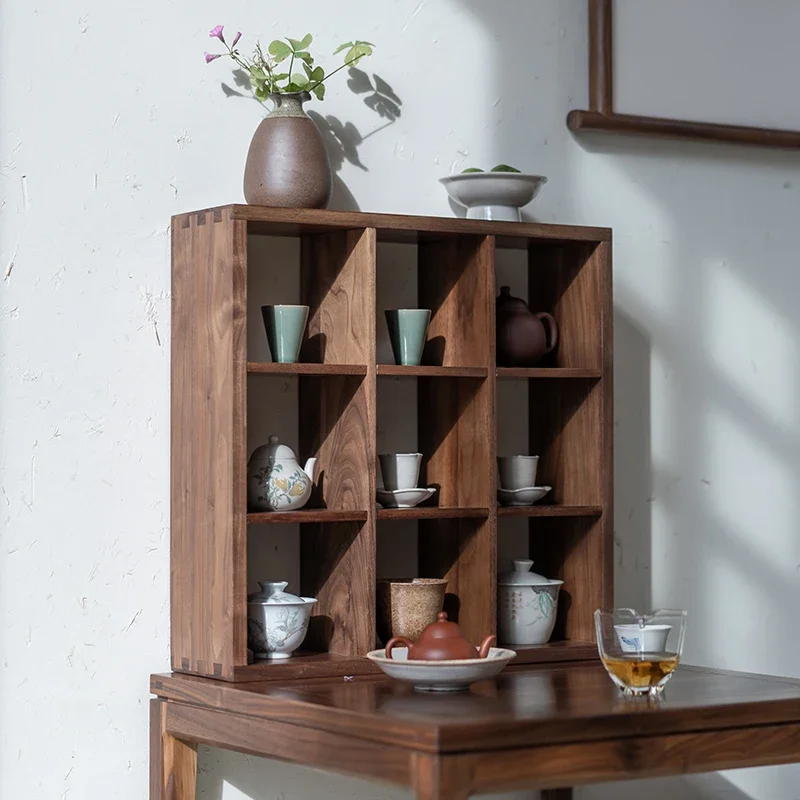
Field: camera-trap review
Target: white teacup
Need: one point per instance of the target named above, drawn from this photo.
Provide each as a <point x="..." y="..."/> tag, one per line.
<point x="647" y="639"/>
<point x="517" y="472"/>
<point x="400" y="470"/>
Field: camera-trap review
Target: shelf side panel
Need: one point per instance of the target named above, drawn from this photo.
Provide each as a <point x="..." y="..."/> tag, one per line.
<point x="338" y="426"/>
<point x="208" y="441"/>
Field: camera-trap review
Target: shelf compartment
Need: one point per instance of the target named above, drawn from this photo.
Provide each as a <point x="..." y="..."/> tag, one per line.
<point x="399" y="371"/>
<point x="310" y="515"/>
<point x="423" y="512"/>
<point x="552" y="652"/>
<point x="271" y="368"/>
<point x="304" y="665"/>
<point x="549" y="511"/>
<point x="548" y="372"/>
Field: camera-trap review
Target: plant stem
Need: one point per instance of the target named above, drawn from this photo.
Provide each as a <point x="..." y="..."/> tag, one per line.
<point x="338" y="69"/>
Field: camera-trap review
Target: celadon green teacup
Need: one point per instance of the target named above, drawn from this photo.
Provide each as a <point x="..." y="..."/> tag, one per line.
<point x="408" y="329"/>
<point x="285" y="327"/>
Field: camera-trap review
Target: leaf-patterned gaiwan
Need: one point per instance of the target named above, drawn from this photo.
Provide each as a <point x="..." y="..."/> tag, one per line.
<point x="526" y="605"/>
<point x="275" y="481"/>
<point x="277" y="622"/>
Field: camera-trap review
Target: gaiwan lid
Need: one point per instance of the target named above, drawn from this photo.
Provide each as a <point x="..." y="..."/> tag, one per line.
<point x="274" y="450"/>
<point x="521" y="575"/>
<point x="272" y="594"/>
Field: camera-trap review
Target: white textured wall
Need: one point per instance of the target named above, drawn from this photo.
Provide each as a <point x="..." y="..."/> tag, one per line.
<point x="110" y="122"/>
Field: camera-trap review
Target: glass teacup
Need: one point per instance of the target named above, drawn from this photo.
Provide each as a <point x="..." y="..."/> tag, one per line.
<point x="640" y="651"/>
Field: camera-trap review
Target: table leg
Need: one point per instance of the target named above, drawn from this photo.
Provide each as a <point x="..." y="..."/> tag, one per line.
<point x="441" y="777"/>
<point x="557" y="794"/>
<point x="173" y="762"/>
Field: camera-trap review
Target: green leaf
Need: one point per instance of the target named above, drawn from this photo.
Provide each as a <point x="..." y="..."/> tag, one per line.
<point x="261" y="92"/>
<point x="300" y="81"/>
<point x="341" y="47"/>
<point x="308" y="72"/>
<point x="307" y="39"/>
<point x="279" y="50"/>
<point x="503" y="168"/>
<point x="280" y="76"/>
<point x="300" y="44"/>
<point x="318" y="74"/>
<point x="470" y="169"/>
<point x="257" y="74"/>
<point x="305" y="57"/>
<point x="358" y="51"/>
<point x="319" y="91"/>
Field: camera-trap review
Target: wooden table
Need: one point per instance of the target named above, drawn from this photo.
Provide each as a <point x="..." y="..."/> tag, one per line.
<point x="543" y="727"/>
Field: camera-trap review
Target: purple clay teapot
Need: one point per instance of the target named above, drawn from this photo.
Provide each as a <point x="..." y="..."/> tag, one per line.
<point x="523" y="338"/>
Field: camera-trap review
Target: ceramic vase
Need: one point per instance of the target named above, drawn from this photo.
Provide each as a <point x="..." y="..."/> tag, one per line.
<point x="287" y="164"/>
<point x="407" y="607"/>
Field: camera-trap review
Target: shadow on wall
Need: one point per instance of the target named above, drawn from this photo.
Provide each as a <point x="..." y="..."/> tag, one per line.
<point x="342" y="139"/>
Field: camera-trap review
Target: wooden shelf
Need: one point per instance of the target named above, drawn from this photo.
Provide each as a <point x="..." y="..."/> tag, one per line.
<point x="397" y="371"/>
<point x="423" y="512"/>
<point x="548" y="372"/>
<point x="305" y="665"/>
<point x="305" y="515"/>
<point x="553" y="651"/>
<point x="549" y="511"/>
<point x="270" y="368"/>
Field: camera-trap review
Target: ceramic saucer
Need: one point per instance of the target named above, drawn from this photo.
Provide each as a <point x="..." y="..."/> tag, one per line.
<point x="521" y="497"/>
<point x="441" y="676"/>
<point x="403" y="498"/>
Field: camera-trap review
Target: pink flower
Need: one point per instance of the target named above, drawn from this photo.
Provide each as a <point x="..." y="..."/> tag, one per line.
<point x="216" y="33"/>
<point x="212" y="57"/>
<point x="236" y="38"/>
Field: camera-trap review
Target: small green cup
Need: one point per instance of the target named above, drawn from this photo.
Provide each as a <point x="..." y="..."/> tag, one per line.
<point x="285" y="327"/>
<point x="408" y="328"/>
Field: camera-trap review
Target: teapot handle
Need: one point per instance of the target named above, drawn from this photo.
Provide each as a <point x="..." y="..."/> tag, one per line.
<point x="551" y="330"/>
<point x="394" y="641"/>
<point x="486" y="645"/>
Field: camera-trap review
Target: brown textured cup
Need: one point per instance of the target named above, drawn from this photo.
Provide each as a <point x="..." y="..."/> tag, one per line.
<point x="407" y="607"/>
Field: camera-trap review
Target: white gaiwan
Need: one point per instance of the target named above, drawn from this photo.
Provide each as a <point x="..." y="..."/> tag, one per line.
<point x="496" y="196"/>
<point x="526" y="605"/>
<point x="277" y="621"/>
<point x="275" y="481"/>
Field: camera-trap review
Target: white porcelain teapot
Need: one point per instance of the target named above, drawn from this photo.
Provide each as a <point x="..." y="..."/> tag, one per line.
<point x="275" y="481"/>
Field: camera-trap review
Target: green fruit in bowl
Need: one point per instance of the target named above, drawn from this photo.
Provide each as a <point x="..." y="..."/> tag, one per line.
<point x="504" y="168"/>
<point x="470" y="169"/>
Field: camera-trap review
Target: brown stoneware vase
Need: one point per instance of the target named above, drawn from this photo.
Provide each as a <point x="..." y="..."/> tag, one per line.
<point x="441" y="641"/>
<point x="407" y="607"/>
<point x="287" y="165"/>
<point x="523" y="338"/>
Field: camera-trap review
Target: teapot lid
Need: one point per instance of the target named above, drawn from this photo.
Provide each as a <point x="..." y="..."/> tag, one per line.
<point x="274" y="450"/>
<point x="272" y="594"/>
<point x="521" y="575"/>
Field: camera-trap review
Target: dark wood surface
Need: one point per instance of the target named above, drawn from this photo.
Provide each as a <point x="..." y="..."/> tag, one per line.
<point x="543" y="727"/>
<point x="337" y="384"/>
<point x="208" y="486"/>
<point x="397" y="227"/>
<point x="601" y="117"/>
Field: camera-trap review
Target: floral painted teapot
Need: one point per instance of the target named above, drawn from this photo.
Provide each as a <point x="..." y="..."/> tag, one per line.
<point x="275" y="481"/>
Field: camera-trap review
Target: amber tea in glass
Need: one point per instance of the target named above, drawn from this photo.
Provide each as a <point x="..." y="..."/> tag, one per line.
<point x="640" y="651"/>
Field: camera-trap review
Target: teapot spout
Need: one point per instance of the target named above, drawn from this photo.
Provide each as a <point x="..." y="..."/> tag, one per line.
<point x="310" y="469"/>
<point x="486" y="645"/>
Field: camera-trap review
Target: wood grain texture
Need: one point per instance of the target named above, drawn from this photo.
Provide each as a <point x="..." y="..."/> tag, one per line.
<point x="338" y="425"/>
<point x="550" y="511"/>
<point x="287" y="742"/>
<point x="303" y="665"/>
<point x="305" y="516"/>
<point x="553" y="652"/>
<point x="545" y="705"/>
<point x="601" y="83"/>
<point x="448" y="778"/>
<point x="401" y="228"/>
<point x="173" y="762"/>
<point x="425" y="512"/>
<point x="398" y="371"/>
<point x="269" y="368"/>
<point x="208" y="494"/>
<point x="543" y="373"/>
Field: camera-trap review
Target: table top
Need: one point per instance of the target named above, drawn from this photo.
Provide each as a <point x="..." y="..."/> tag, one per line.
<point x="524" y="706"/>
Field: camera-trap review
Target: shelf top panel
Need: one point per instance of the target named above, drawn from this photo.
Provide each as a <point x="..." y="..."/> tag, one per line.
<point x="399" y="228"/>
<point x="270" y="368"/>
<point x="401" y="371"/>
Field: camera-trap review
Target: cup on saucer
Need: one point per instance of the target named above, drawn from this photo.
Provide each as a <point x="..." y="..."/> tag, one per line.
<point x="400" y="478"/>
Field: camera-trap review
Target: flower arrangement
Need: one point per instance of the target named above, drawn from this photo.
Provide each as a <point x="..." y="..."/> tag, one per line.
<point x="267" y="77"/>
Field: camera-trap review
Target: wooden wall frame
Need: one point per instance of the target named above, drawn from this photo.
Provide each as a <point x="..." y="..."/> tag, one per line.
<point x="601" y="115"/>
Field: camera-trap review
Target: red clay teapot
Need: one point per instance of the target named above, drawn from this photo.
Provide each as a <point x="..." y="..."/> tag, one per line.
<point x="441" y="641"/>
<point x="523" y="338"/>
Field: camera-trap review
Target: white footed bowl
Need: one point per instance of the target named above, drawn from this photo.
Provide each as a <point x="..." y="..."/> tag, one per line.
<point x="276" y="631"/>
<point x="441" y="676"/>
<point x="647" y="639"/>
<point x="496" y="196"/>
